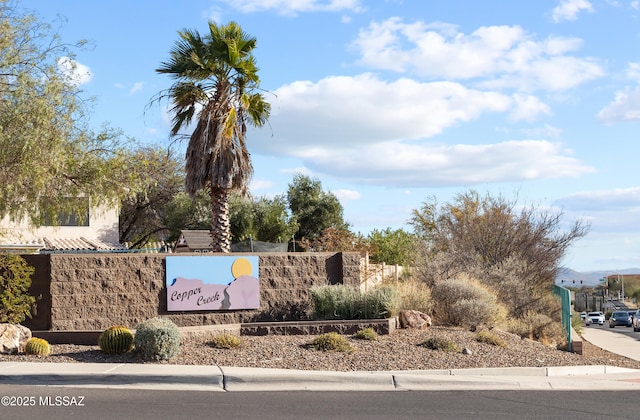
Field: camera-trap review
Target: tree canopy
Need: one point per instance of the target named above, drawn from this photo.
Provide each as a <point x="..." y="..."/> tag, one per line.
<point x="392" y="246"/>
<point x="263" y="219"/>
<point x="144" y="212"/>
<point x="314" y="209"/>
<point x="47" y="152"/>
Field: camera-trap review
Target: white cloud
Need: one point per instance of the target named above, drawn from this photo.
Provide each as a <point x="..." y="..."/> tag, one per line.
<point x="633" y="71"/>
<point x="611" y="200"/>
<point x="76" y="73"/>
<point x="547" y="131"/>
<point x="364" y="109"/>
<point x="495" y="56"/>
<point x="608" y="211"/>
<point x="347" y="195"/>
<point x="625" y="107"/>
<point x="136" y="87"/>
<point x="260" y="184"/>
<point x="428" y="165"/>
<point x="635" y="4"/>
<point x="377" y="132"/>
<point x="569" y="9"/>
<point x="528" y="108"/>
<point x="214" y="13"/>
<point x="292" y="7"/>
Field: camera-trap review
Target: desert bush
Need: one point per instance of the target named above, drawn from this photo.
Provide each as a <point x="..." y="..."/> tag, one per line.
<point x="117" y="339"/>
<point x="465" y="302"/>
<point x="331" y="341"/>
<point x="366" y="334"/>
<point x="519" y="288"/>
<point x="15" y="279"/>
<point x="538" y="327"/>
<point x="225" y="341"/>
<point x="437" y="343"/>
<point x="348" y="302"/>
<point x="487" y="337"/>
<point x="157" y="339"/>
<point x="37" y="347"/>
<point x="413" y="295"/>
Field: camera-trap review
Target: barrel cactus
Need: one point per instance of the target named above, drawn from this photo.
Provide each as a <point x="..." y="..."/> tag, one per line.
<point x="37" y="346"/>
<point x="117" y="339"/>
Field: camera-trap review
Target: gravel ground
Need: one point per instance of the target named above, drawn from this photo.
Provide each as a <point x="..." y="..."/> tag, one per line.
<point x="399" y="350"/>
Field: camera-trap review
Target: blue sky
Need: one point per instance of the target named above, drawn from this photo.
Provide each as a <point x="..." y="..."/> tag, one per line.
<point x="389" y="102"/>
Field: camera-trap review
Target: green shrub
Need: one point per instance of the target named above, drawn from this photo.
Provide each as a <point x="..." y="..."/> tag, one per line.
<point x="37" y="347"/>
<point x="225" y="341"/>
<point x="485" y="336"/>
<point x="366" y="334"/>
<point x="157" y="339"/>
<point x="117" y="339"/>
<point x="331" y="341"/>
<point x="15" y="279"/>
<point x="443" y="344"/>
<point x="336" y="302"/>
<point x="348" y="302"/>
<point x="381" y="302"/>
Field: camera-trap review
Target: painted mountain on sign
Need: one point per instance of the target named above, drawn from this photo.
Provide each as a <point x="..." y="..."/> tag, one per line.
<point x="189" y="294"/>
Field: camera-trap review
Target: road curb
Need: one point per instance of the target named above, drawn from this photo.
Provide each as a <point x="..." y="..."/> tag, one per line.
<point x="113" y="375"/>
<point x="233" y="379"/>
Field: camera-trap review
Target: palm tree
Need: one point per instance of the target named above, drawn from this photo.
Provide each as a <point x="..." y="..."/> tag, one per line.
<point x="216" y="79"/>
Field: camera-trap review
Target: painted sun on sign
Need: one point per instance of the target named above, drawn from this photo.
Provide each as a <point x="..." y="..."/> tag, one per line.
<point x="212" y="283"/>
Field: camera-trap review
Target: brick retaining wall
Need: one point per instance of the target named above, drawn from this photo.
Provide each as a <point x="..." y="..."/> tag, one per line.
<point x="92" y="292"/>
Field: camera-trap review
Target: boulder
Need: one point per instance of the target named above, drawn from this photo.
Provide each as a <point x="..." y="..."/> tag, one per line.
<point x="414" y="319"/>
<point x="13" y="338"/>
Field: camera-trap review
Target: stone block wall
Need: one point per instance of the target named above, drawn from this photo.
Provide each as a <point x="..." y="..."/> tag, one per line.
<point x="90" y="292"/>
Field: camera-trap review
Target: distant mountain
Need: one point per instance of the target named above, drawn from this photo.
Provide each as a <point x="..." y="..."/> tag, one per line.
<point x="589" y="278"/>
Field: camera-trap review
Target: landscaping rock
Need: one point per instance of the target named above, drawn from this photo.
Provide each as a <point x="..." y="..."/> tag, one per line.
<point x="13" y="338"/>
<point x="414" y="319"/>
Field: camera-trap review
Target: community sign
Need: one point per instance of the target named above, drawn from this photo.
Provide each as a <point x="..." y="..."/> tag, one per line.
<point x="212" y="283"/>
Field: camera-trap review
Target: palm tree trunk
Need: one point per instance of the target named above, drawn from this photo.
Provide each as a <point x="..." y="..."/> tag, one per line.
<point x="220" y="222"/>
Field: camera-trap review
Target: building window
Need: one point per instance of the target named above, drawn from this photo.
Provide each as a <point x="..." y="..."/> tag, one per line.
<point x="75" y="212"/>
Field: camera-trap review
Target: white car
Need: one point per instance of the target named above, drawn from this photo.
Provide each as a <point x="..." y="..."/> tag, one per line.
<point x="594" y="318"/>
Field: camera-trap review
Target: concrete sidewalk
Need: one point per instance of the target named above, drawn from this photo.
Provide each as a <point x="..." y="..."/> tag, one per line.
<point x="224" y="379"/>
<point x="606" y="338"/>
<point x="220" y="379"/>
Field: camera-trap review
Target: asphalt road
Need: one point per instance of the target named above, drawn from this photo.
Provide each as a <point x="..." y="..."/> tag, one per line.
<point x="85" y="403"/>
